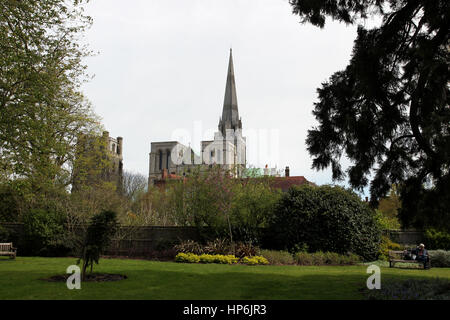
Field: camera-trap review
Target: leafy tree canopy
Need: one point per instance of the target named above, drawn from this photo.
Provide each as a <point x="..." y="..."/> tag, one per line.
<point x="387" y="111"/>
<point x="41" y="107"/>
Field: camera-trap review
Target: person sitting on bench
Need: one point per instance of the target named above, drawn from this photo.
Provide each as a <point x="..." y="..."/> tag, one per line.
<point x="422" y="256"/>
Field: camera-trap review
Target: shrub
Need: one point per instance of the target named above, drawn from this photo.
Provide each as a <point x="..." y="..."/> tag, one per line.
<point x="332" y="258"/>
<point x="437" y="239"/>
<point x="206" y="258"/>
<point x="44" y="234"/>
<point x="322" y="258"/>
<point x="255" y="260"/>
<point x="187" y="258"/>
<point x="319" y="258"/>
<point x="351" y="258"/>
<point x="412" y="289"/>
<point x="439" y="258"/>
<point x="217" y="246"/>
<point x="243" y="249"/>
<point x="218" y="258"/>
<point x="325" y="218"/>
<point x="304" y="259"/>
<point x="226" y="259"/>
<point x="261" y="260"/>
<point x="189" y="246"/>
<point x="386" y="245"/>
<point x="102" y="227"/>
<point x="278" y="257"/>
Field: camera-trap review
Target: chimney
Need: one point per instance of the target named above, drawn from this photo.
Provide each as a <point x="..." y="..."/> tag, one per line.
<point x="119" y="145"/>
<point x="286" y="172"/>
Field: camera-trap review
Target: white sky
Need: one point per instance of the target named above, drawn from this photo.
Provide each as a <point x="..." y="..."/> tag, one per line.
<point x="162" y="68"/>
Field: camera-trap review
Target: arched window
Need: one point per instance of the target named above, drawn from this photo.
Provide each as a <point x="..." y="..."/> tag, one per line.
<point x="167" y="159"/>
<point x="160" y="160"/>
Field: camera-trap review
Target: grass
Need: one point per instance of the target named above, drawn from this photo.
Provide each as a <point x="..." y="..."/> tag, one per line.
<point x="20" y="279"/>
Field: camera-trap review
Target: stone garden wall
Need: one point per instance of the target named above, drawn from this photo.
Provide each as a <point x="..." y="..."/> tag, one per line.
<point x="145" y="241"/>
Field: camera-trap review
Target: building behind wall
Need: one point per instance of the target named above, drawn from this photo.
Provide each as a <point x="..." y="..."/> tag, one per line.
<point x="228" y="149"/>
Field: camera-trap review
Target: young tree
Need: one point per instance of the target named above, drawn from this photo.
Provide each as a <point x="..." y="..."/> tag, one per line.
<point x="102" y="228"/>
<point x="388" y="110"/>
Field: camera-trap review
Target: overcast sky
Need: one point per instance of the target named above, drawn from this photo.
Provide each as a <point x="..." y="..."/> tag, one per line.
<point x="162" y="65"/>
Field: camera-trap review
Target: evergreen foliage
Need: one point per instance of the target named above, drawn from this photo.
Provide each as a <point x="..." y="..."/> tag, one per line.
<point x="387" y="111"/>
<point x="325" y="219"/>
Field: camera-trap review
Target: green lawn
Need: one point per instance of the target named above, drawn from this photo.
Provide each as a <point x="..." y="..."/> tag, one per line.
<point x="20" y="279"/>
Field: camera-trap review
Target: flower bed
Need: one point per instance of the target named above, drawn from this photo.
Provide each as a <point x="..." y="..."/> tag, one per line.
<point x="218" y="258"/>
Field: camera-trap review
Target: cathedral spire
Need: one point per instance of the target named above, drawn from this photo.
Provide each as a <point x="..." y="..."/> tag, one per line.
<point x="230" y="113"/>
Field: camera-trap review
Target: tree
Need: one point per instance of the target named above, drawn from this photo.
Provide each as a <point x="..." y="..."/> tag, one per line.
<point x="42" y="110"/>
<point x="388" y="110"/>
<point x="387" y="211"/>
<point x="134" y="185"/>
<point x="101" y="229"/>
<point x="253" y="204"/>
<point x="390" y="205"/>
<point x="204" y="199"/>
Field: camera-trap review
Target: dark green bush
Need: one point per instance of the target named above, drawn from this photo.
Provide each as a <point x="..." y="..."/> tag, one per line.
<point x="435" y="239"/>
<point x="325" y="218"/>
<point x="44" y="234"/>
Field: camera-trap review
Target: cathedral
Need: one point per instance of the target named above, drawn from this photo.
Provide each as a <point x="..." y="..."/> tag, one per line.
<point x="227" y="149"/>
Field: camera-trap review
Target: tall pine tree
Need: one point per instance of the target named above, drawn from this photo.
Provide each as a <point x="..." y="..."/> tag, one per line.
<point x="388" y="110"/>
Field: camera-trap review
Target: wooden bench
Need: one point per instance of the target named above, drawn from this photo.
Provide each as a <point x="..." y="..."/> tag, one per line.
<point x="397" y="256"/>
<point x="7" y="249"/>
